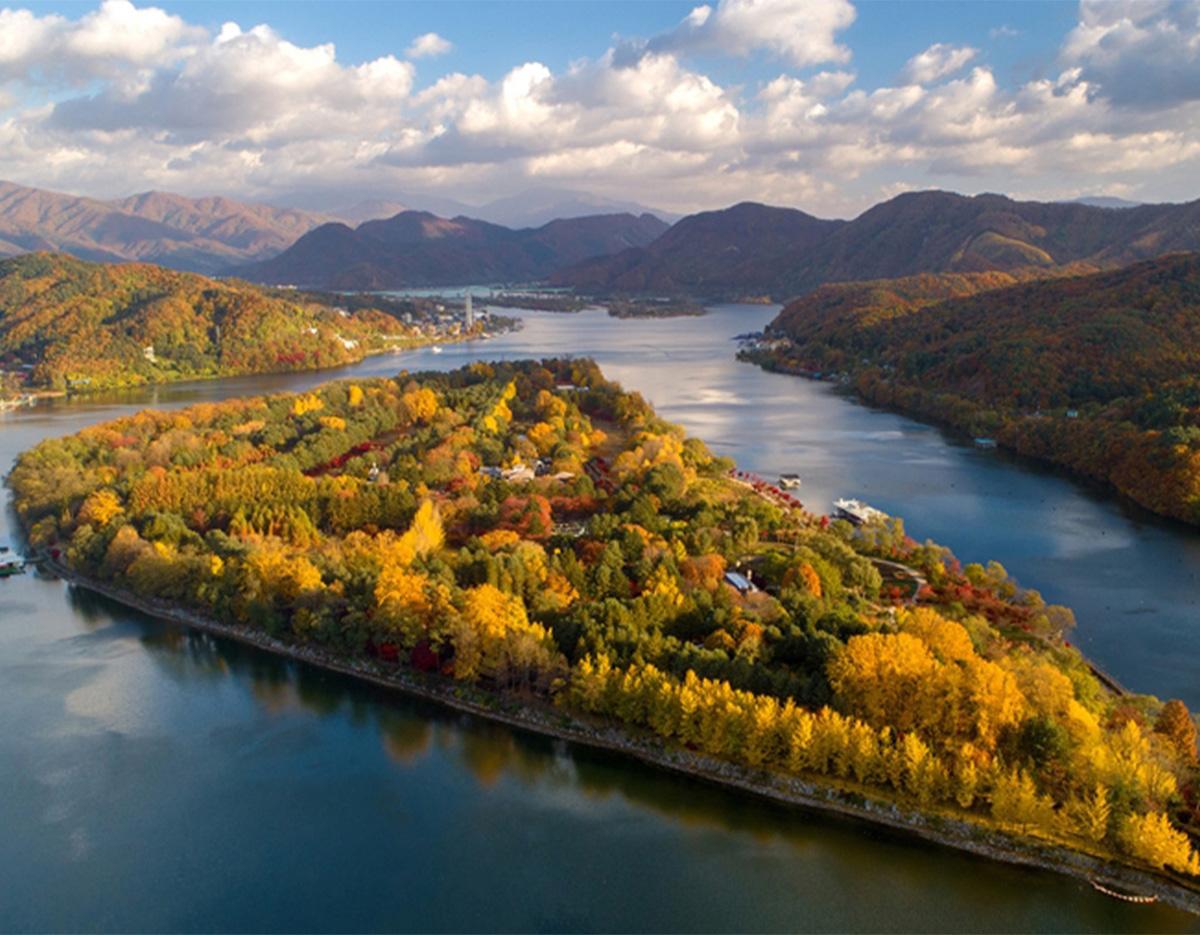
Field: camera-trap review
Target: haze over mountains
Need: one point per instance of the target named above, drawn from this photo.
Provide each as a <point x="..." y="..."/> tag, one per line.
<point x="753" y="249"/>
<point x="417" y="248"/>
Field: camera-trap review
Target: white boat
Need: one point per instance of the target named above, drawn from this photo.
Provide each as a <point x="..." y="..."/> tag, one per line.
<point x="787" y="481"/>
<point x="435" y="350"/>
<point x="857" y="512"/>
<point x="10" y="562"/>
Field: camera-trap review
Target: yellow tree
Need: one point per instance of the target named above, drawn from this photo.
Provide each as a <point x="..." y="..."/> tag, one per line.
<point x="1151" y="838"/>
<point x="100" y="507"/>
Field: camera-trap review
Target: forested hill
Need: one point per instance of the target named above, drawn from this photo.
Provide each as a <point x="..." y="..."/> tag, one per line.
<point x="1100" y="373"/>
<point x="918" y="232"/>
<point x="66" y="323"/>
<point x="416" y="248"/>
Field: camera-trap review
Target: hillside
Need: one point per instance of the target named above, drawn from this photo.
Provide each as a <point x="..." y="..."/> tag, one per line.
<point x="914" y="233"/>
<point x="1097" y="373"/>
<point x="371" y="526"/>
<point x="199" y="234"/>
<point x="416" y="248"/>
<point x="66" y="323"/>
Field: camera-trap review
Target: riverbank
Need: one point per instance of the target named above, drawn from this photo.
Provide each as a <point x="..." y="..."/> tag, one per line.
<point x="951" y="830"/>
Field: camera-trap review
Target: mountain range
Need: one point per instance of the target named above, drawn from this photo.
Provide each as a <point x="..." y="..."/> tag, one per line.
<point x="417" y="248"/>
<point x="198" y="234"/>
<point x="752" y="249"/>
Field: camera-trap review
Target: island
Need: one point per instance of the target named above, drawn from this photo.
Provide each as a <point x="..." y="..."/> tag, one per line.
<point x="531" y="543"/>
<point x="70" y="326"/>
<point x="1092" y="371"/>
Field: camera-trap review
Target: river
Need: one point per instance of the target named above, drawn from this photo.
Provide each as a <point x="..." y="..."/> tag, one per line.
<point x="158" y="779"/>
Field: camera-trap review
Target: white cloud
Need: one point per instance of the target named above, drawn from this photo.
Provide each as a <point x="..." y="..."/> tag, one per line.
<point x="1004" y="31"/>
<point x="802" y="32"/>
<point x="107" y="42"/>
<point x="1144" y="53"/>
<point x="938" y="61"/>
<point x="428" y="45"/>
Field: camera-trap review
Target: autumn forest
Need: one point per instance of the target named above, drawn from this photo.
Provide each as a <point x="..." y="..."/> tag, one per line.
<point x="535" y="533"/>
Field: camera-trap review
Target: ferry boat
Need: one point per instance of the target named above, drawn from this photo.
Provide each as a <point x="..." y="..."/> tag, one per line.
<point x="788" y="481"/>
<point x="857" y="512"/>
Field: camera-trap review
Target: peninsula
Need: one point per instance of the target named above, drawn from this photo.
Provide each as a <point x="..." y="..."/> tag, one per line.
<point x="530" y="542"/>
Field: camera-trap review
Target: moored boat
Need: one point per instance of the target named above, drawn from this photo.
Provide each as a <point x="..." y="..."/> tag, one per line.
<point x="857" y="512"/>
<point x="10" y="563"/>
<point x="787" y="481"/>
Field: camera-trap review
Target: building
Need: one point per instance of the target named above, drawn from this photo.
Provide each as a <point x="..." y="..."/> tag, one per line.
<point x="469" y="313"/>
<point x="740" y="582"/>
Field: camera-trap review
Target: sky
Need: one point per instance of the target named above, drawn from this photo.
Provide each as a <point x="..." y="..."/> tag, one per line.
<point x="829" y="106"/>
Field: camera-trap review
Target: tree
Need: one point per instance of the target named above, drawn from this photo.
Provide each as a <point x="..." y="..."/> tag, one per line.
<point x="101" y="507"/>
<point x="1090" y="813"/>
<point x="1176" y="725"/>
<point x="1151" y="838"/>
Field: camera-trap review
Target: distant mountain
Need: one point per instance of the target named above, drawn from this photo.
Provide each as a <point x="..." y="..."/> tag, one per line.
<point x="913" y="233"/>
<point x="536" y="207"/>
<point x="199" y="234"/>
<point x="1106" y="201"/>
<point x="713" y="252"/>
<point x="416" y="248"/>
<point x="369" y="209"/>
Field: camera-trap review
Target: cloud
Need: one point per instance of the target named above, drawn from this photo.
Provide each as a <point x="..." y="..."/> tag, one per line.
<point x="429" y="45"/>
<point x="938" y="61"/>
<point x="122" y="98"/>
<point x="1004" y="31"/>
<point x="1142" y="53"/>
<point x="104" y="43"/>
<point x="802" y="32"/>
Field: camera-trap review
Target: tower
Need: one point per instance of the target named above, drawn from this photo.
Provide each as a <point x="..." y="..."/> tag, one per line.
<point x="469" y="313"/>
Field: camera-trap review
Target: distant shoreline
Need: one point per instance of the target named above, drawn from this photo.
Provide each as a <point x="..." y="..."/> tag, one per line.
<point x="44" y="394"/>
<point x="947" y="830"/>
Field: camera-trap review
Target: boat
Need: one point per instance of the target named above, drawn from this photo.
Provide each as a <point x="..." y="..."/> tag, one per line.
<point x="857" y="512"/>
<point x="435" y="349"/>
<point x="1140" y="899"/>
<point x="10" y="563"/>
<point x="985" y="443"/>
<point x="787" y="481"/>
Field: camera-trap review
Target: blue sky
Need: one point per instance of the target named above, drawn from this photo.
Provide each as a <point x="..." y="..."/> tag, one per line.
<point x="829" y="105"/>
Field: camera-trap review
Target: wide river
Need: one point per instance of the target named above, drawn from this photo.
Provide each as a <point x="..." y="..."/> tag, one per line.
<point x="154" y="778"/>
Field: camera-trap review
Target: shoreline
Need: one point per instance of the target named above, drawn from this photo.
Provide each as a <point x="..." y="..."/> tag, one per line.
<point x="953" y="831"/>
